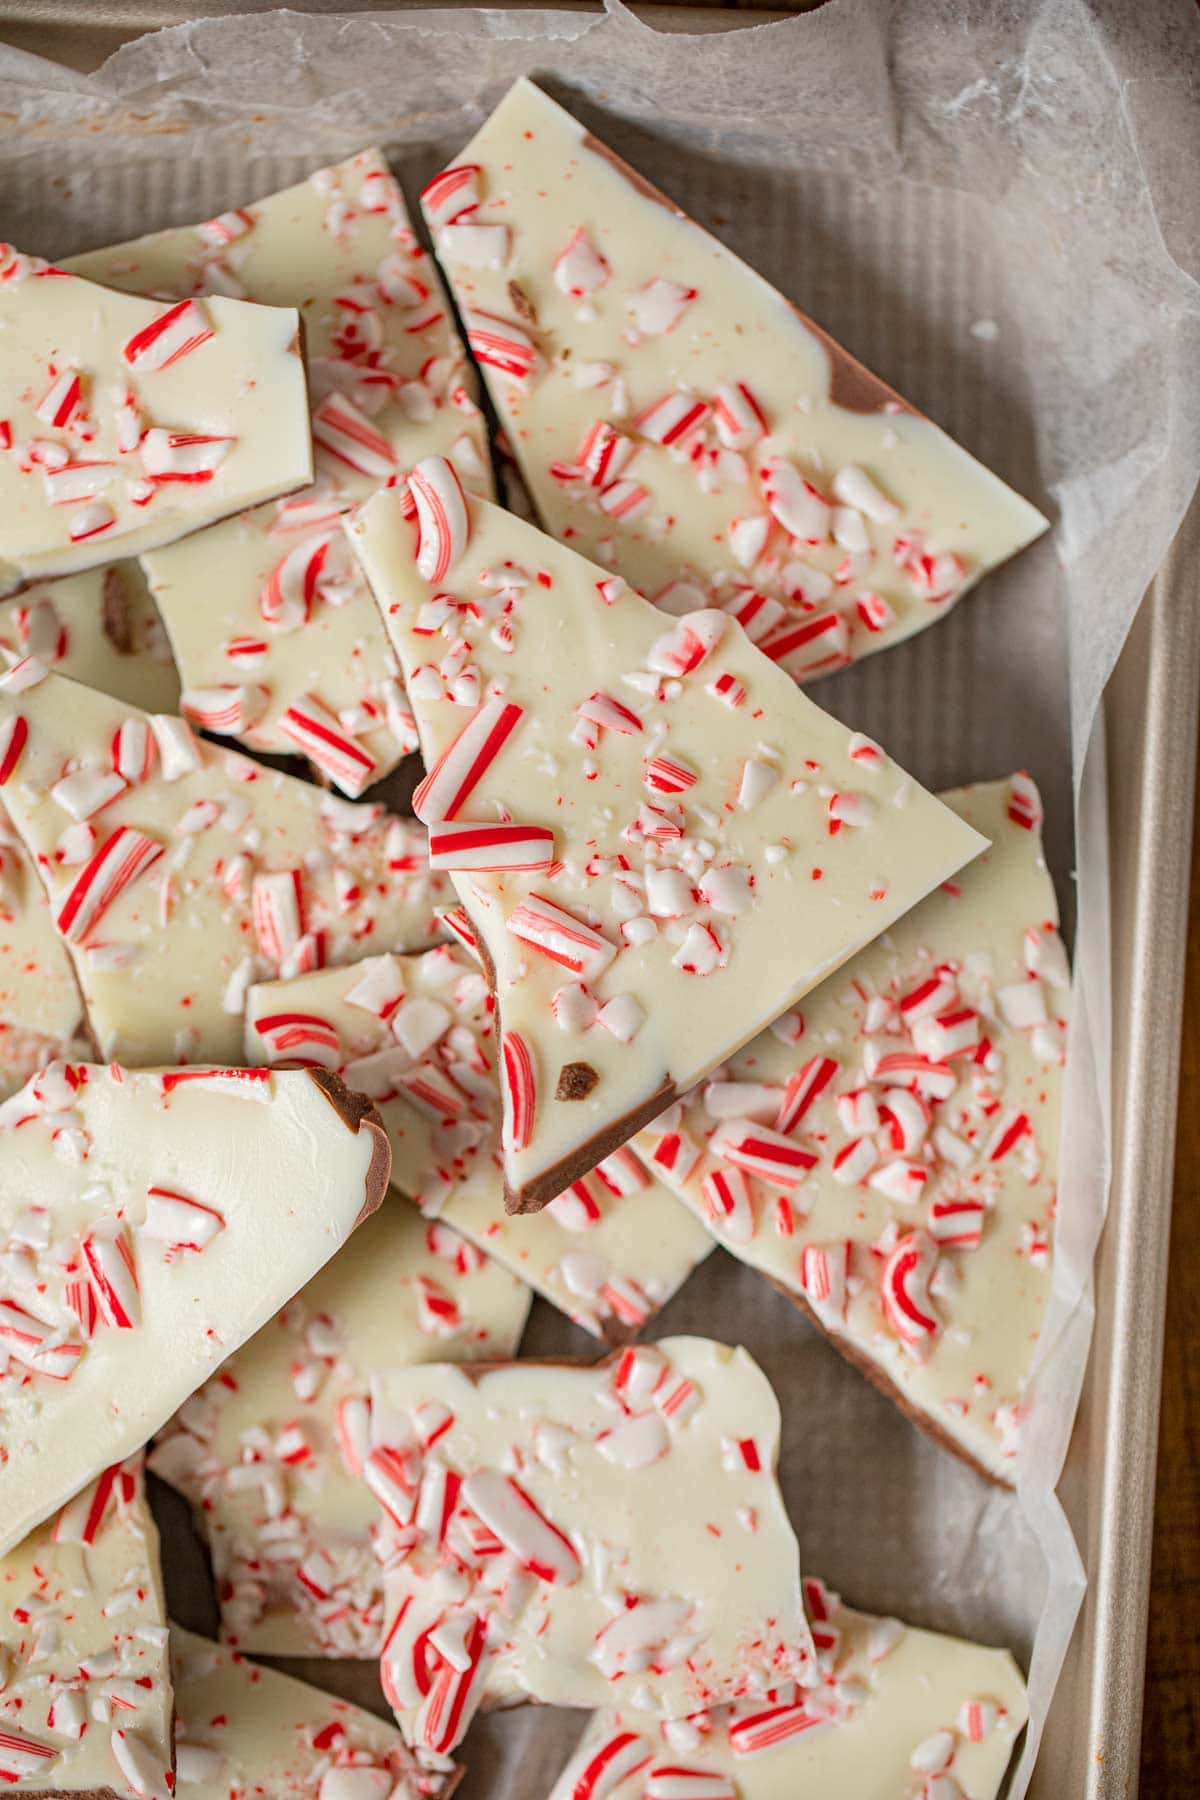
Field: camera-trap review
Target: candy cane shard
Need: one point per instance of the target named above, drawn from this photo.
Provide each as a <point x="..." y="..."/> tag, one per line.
<point x="419" y="1034"/>
<point x="894" y="1709"/>
<point x="152" y="434"/>
<point x="145" y="1272"/>
<point x="87" y="1703"/>
<point x="402" y="1288"/>
<point x="199" y="873"/>
<point x="248" y="1729"/>
<point x="390" y="382"/>
<point x="533" y="1578"/>
<point x="755" y="443"/>
<point x="919" y="1234"/>
<point x="691" y="902"/>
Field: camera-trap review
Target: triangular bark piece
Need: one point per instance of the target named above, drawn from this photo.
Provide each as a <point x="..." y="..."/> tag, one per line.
<point x="678" y="420"/>
<point x="418" y="1034"/>
<point x="291" y="1406"/>
<point x="151" y="1222"/>
<point x="660" y="842"/>
<point x="887" y="1154"/>
<point x="180" y="872"/>
<point x="127" y="422"/>
<point x="271" y="598"/>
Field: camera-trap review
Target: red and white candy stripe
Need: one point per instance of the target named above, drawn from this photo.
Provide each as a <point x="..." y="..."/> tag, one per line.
<point x="228" y="711"/>
<point x="561" y="936"/>
<point x="133" y="750"/>
<point x="277" y="910"/>
<point x="317" y="733"/>
<point x="121" y="858"/>
<point x="14" y="735"/>
<point x="287" y="595"/>
<point x="667" y="420"/>
<point x="466" y="846"/>
<point x="175" y="333"/>
<point x="462" y="765"/>
<point x="738" y="417"/>
<point x="824" y="1269"/>
<point x="519" y="1090"/>
<point x="905" y="1287"/>
<point x="180" y="1222"/>
<point x="113" y="1274"/>
<point x="183" y="456"/>
<point x="451" y="194"/>
<point x="762" y="1152"/>
<point x="341" y="431"/>
<point x="803" y="1090"/>
<point x="499" y="343"/>
<point x="443" y="517"/>
<point x="521" y="1526"/>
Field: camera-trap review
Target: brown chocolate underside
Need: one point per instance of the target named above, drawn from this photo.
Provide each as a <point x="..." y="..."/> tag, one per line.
<point x="882" y="1382"/>
<point x="357" y="1113"/>
<point x="116" y="616"/>
<point x="851" y="386"/>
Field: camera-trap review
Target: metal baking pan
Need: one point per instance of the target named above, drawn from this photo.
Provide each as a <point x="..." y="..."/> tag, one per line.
<point x="1092" y="1739"/>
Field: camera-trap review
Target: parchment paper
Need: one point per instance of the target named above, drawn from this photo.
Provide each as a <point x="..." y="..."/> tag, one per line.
<point x="995" y="206"/>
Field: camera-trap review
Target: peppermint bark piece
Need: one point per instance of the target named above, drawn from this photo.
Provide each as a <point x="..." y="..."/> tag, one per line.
<point x="893" y="1710"/>
<point x="150" y="1223"/>
<point x="418" y="1034"/>
<point x="888" y="1154"/>
<point x="101" y="628"/>
<point x="86" y="1704"/>
<point x="179" y="872"/>
<point x="272" y="596"/>
<point x="574" y="1533"/>
<point x="659" y="842"/>
<point x="678" y="420"/>
<point x="127" y="422"/>
<point x="241" y="1729"/>
<point x="269" y="1450"/>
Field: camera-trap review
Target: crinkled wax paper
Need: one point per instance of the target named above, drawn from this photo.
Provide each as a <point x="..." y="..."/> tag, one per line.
<point x="989" y="204"/>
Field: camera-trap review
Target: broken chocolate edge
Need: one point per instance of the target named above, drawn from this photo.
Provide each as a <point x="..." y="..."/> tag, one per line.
<point x="358" y="1113"/>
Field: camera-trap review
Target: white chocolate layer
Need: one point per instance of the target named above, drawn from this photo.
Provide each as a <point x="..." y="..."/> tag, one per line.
<point x="608" y="1253"/>
<point x="895" y="1711"/>
<point x="966" y="1175"/>
<point x="242" y="1730"/>
<point x="379" y="335"/>
<point x="100" y="628"/>
<point x="260" y="1449"/>
<point x="83" y="1636"/>
<point x="165" y="962"/>
<point x="618" y="1529"/>
<point x="129" y="423"/>
<point x="39" y="995"/>
<point x="667" y="407"/>
<point x="151" y="1222"/>
<point x="719" y="858"/>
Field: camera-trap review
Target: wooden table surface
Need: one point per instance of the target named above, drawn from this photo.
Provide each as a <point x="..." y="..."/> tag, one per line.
<point x="1171" y="1726"/>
